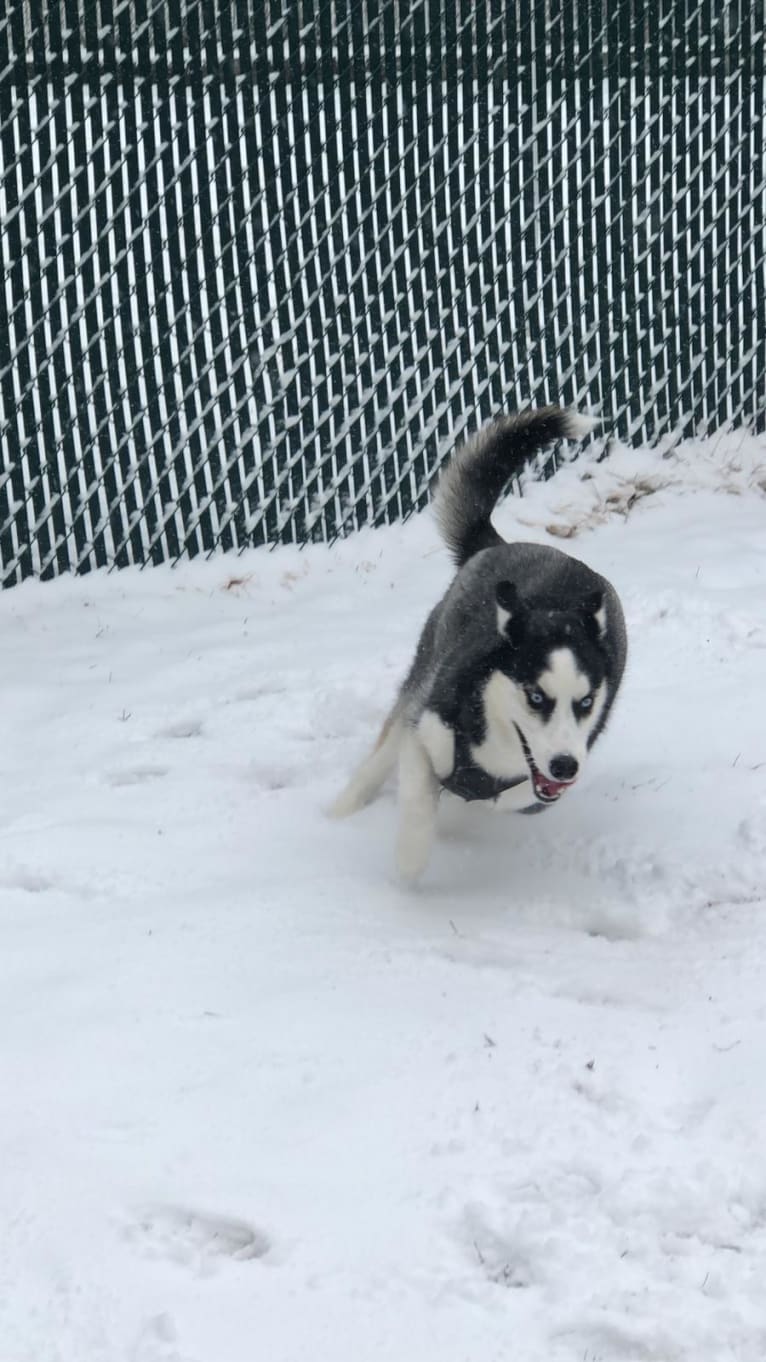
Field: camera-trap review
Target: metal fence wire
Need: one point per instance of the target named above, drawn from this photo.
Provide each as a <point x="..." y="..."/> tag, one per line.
<point x="264" y="261"/>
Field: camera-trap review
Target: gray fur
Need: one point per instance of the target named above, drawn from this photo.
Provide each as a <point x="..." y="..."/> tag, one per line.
<point x="481" y="469"/>
<point x="456" y="633"/>
<point x="462" y="709"/>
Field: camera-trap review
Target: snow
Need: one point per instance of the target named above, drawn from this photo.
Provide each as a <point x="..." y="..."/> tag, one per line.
<point x="261" y="1101"/>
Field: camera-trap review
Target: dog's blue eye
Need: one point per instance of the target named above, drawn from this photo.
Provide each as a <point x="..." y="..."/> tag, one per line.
<point x="536" y="698"/>
<point x="586" y="702"/>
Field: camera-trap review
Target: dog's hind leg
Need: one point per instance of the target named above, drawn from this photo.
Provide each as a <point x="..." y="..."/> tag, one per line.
<point x="418" y="802"/>
<point x="369" y="777"/>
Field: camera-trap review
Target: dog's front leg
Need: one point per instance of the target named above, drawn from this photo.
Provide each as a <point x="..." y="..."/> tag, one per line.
<point x="418" y="801"/>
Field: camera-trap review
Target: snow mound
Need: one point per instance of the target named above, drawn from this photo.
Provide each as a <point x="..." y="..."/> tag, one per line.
<point x="260" y="1099"/>
<point x="610" y="479"/>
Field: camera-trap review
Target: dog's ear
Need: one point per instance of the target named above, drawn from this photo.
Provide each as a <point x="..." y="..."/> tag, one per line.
<point x="510" y="611"/>
<point x="594" y="610"/>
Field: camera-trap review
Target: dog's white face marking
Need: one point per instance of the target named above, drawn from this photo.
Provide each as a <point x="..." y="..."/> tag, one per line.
<point x="556" y="715"/>
<point x="563" y="679"/>
<point x="563" y="724"/>
<point x="501" y="753"/>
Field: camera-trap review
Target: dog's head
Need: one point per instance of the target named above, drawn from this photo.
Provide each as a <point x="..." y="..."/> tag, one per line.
<point x="554" y="688"/>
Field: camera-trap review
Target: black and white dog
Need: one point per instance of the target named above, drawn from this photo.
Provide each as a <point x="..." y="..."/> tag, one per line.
<point x="517" y="666"/>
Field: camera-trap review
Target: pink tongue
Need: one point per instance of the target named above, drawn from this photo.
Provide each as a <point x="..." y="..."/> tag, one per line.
<point x="550" y="787"/>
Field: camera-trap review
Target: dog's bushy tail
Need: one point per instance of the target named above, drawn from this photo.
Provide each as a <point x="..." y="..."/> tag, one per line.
<point x="477" y="473"/>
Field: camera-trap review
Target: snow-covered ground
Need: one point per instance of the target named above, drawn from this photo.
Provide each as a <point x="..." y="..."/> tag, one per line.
<point x="261" y="1102"/>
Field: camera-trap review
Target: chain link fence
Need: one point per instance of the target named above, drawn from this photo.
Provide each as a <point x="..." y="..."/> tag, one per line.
<point x="264" y="261"/>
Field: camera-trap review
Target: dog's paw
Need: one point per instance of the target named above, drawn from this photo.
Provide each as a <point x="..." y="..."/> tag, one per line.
<point x="346" y="803"/>
<point x="412" y="852"/>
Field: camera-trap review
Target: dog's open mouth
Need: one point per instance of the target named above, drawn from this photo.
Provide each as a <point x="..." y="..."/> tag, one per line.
<point x="547" y="790"/>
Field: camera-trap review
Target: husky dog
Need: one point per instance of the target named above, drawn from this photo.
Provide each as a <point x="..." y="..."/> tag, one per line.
<point x="517" y="666"/>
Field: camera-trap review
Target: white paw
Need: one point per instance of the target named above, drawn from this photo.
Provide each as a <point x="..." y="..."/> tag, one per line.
<point x="412" y="853"/>
<point x="347" y="802"/>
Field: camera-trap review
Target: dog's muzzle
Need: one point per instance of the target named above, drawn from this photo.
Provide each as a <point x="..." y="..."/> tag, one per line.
<point x="546" y="790"/>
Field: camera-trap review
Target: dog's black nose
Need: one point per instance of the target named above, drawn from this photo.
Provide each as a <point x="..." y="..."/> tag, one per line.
<point x="564" y="768"/>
